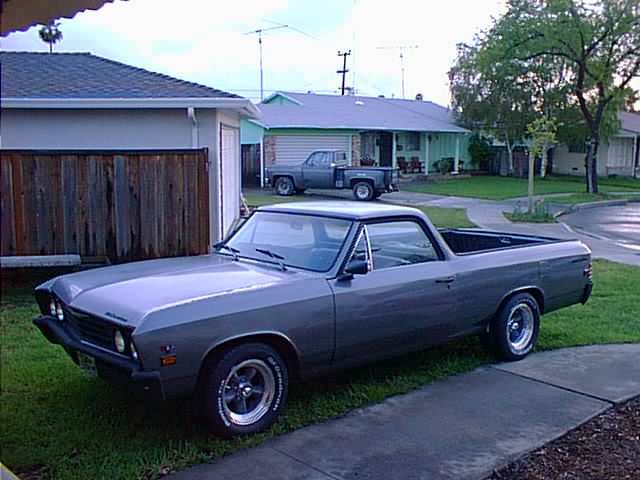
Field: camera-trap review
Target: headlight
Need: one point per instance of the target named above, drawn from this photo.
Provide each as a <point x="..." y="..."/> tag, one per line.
<point x="118" y="341"/>
<point x="52" y="308"/>
<point x="134" y="352"/>
<point x="59" y="311"/>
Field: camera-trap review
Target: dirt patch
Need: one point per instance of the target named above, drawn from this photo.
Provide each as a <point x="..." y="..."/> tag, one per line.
<point x="606" y="447"/>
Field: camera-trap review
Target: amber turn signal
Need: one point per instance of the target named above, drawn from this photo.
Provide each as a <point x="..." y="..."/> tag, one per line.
<point x="168" y="360"/>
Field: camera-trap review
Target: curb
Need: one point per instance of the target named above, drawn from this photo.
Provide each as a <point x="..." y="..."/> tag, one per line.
<point x="587" y="206"/>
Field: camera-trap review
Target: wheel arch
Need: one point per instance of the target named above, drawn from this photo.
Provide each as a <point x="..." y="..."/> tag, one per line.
<point x="278" y="176"/>
<point x="535" y="292"/>
<point x="369" y="180"/>
<point x="279" y="342"/>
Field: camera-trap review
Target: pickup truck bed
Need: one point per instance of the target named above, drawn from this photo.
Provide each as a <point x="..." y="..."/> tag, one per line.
<point x="466" y="242"/>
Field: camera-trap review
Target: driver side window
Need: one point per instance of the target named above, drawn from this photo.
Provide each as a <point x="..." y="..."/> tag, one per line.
<point x="399" y="243"/>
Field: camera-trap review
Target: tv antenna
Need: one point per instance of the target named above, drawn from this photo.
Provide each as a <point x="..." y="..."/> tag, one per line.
<point x="402" y="48"/>
<point x="259" y="32"/>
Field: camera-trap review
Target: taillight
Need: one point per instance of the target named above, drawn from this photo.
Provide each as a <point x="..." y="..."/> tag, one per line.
<point x="588" y="272"/>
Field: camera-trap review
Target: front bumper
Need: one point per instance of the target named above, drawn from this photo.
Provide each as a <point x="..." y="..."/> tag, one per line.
<point x="109" y="365"/>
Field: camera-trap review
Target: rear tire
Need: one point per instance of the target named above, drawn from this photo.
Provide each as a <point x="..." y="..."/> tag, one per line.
<point x="513" y="332"/>
<point x="284" y="186"/>
<point x="363" y="191"/>
<point x="245" y="391"/>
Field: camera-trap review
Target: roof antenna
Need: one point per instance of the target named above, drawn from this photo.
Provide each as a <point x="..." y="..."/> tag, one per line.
<point x="401" y="48"/>
<point x="259" y="32"/>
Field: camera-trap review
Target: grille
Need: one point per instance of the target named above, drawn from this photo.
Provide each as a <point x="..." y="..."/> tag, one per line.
<point x="91" y="329"/>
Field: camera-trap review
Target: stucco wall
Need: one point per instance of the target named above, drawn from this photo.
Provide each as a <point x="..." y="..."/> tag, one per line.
<point x="570" y="163"/>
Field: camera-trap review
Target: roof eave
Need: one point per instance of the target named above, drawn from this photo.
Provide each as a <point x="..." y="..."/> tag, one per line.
<point x="369" y="127"/>
<point x="243" y="105"/>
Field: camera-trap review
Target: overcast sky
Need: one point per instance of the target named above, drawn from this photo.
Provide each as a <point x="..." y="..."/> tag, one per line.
<point x="207" y="41"/>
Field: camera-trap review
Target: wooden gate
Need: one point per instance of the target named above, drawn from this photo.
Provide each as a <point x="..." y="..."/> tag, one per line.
<point x="120" y="205"/>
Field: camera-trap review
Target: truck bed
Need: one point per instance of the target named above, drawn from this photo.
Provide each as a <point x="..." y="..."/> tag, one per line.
<point x="467" y="242"/>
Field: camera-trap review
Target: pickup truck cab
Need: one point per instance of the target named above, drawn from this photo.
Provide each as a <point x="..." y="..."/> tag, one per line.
<point x="305" y="289"/>
<point x="328" y="169"/>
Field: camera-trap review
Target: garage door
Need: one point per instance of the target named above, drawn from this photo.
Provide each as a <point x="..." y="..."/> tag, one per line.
<point x="294" y="149"/>
<point x="229" y="177"/>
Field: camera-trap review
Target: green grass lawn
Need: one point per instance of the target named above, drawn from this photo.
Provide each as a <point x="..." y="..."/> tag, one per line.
<point x="63" y="424"/>
<point x="441" y="217"/>
<point x="502" y="188"/>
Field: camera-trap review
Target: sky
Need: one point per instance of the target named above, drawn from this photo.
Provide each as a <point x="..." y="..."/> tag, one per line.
<point x="210" y="42"/>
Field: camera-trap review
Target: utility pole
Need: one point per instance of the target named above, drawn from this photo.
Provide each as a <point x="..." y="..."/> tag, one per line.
<point x="344" y="67"/>
<point x="401" y="48"/>
<point x="259" y="32"/>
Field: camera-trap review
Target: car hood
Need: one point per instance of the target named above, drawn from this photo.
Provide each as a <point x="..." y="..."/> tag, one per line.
<point x="127" y="293"/>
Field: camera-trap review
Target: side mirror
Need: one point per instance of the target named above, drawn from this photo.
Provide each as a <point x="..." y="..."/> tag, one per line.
<point x="354" y="267"/>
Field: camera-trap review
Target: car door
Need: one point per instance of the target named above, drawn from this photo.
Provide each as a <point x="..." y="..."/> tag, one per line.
<point x="317" y="171"/>
<point x="406" y="300"/>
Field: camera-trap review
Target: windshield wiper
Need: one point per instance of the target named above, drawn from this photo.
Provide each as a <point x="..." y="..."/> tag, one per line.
<point x="234" y="251"/>
<point x="275" y="256"/>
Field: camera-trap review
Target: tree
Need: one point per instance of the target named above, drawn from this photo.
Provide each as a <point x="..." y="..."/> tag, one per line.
<point x="50" y="34"/>
<point x="543" y="135"/>
<point x="487" y="95"/>
<point x="596" y="42"/>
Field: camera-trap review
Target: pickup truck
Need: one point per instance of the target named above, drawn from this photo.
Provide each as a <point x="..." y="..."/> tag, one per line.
<point x="304" y="289"/>
<point x="328" y="169"/>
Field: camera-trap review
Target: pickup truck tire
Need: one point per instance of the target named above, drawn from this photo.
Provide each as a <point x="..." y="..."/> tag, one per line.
<point x="244" y="391"/>
<point x="514" y="329"/>
<point x="363" y="191"/>
<point x="284" y="186"/>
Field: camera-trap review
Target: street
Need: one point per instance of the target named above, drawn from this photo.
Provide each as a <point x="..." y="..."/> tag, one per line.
<point x="619" y="224"/>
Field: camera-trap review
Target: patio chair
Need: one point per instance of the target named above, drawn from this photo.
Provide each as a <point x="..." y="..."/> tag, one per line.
<point x="416" y="165"/>
<point x="403" y="165"/>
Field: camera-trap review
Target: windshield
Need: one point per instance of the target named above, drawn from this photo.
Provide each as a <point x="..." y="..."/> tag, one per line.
<point x="301" y="241"/>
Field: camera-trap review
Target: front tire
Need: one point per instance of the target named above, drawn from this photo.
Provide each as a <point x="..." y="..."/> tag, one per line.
<point x="284" y="186"/>
<point x="513" y="332"/>
<point x="245" y="391"/>
<point x="363" y="191"/>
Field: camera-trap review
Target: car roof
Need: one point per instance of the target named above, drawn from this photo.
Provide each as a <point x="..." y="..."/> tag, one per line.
<point x="342" y="209"/>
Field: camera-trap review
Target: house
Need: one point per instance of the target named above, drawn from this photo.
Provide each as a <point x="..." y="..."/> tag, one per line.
<point x="408" y="134"/>
<point x="619" y="156"/>
<point x="100" y="158"/>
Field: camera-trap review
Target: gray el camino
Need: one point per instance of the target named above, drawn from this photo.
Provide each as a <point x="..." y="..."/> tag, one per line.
<point x="303" y="289"/>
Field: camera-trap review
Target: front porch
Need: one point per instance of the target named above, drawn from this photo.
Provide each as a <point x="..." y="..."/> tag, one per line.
<point x="412" y="152"/>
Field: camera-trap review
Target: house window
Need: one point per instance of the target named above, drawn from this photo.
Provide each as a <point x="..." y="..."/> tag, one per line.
<point x="412" y="141"/>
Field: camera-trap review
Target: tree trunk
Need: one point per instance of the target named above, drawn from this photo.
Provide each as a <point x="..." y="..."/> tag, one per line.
<point x="507" y="142"/>
<point x="532" y="163"/>
<point x="591" y="165"/>
<point x="543" y="162"/>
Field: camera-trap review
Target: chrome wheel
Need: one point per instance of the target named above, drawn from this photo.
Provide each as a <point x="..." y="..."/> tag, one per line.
<point x="363" y="191"/>
<point x="520" y="327"/>
<point x="248" y="392"/>
<point x="284" y="186"/>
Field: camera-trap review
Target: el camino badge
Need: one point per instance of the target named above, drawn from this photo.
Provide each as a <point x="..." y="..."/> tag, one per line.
<point x="88" y="364"/>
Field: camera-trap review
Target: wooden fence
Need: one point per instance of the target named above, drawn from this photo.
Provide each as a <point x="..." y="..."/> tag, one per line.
<point x="121" y="205"/>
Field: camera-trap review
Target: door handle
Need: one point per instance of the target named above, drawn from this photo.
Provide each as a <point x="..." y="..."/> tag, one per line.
<point x="445" y="280"/>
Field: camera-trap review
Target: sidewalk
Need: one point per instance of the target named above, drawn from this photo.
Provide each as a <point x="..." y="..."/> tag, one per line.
<point x="463" y="427"/>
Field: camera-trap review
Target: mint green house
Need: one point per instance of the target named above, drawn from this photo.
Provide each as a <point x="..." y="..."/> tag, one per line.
<point x="407" y="134"/>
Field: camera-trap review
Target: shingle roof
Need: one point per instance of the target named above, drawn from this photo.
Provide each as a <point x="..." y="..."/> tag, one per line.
<point x="356" y="112"/>
<point x="82" y="75"/>
<point x="630" y="121"/>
